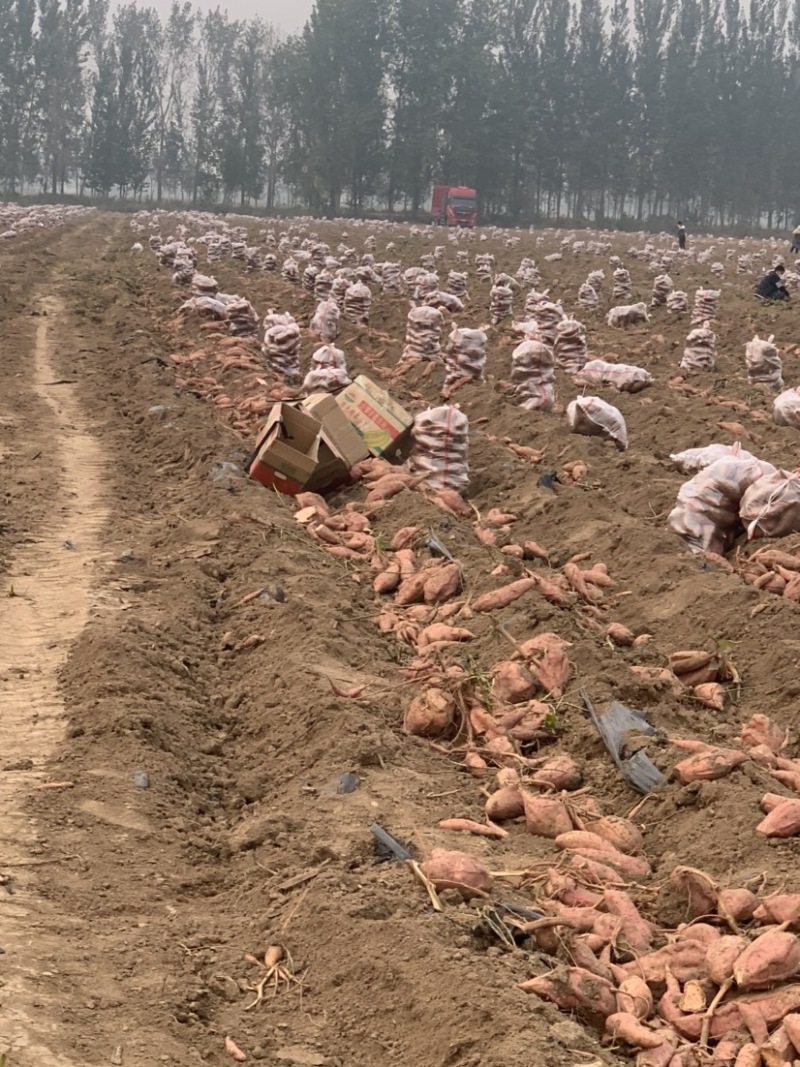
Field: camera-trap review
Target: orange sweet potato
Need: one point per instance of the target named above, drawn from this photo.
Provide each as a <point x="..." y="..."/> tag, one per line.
<point x="440" y="631"/>
<point x="513" y="683"/>
<point x="771" y="958"/>
<point x="704" y="932"/>
<point x="468" y="826"/>
<point x="709" y="765"/>
<point x="624" y="1026"/>
<point x="449" y="869"/>
<point x="722" y="956"/>
<point x="736" y="904"/>
<point x="711" y="695"/>
<point x="699" y="889"/>
<point x="430" y="713"/>
<point x="574" y="989"/>
<point x="728" y="1049"/>
<point x="561" y="772"/>
<point x="685" y="662"/>
<point x="545" y="816"/>
<point x="506" y="803"/>
<point x="501" y="598"/>
<point x="579" y="839"/>
<point x="761" y="730"/>
<point x="779" y="908"/>
<point x="594" y="872"/>
<point x="749" y="1055"/>
<point x="685" y="960"/>
<point x="620" y="635"/>
<point x="411" y="590"/>
<point x="621" y="833"/>
<point x="405" y="557"/>
<point x="442" y="583"/>
<point x="635" y="931"/>
<point x="635" y="997"/>
<point x="782" y="821"/>
<point x="629" y="866"/>
<point x="664" y="1055"/>
<point x="387" y="581"/>
<point x="404" y="538"/>
<point x="791" y="1024"/>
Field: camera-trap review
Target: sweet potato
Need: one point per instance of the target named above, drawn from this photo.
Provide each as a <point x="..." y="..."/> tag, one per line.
<point x="619" y="832"/>
<point x="791" y="1024"/>
<point x="635" y="997"/>
<point x="789" y="778"/>
<point x="404" y="538"/>
<point x="574" y="989"/>
<point x="468" y="826"/>
<point x="663" y="1055"/>
<point x="575" y="839"/>
<point x="442" y="583"/>
<point x="476" y="764"/>
<point x="620" y="635"/>
<point x="685" y="662"/>
<point x="694" y="998"/>
<point x="782" y="821"/>
<point x="749" y="1055"/>
<point x="722" y="955"/>
<point x="578" y="581"/>
<point x="779" y="908"/>
<point x="545" y="816"/>
<point x="449" y="869"/>
<point x="699" y="889"/>
<point x="582" y="955"/>
<point x="684" y="959"/>
<point x="778" y="1050"/>
<point x="761" y="730"/>
<point x="234" y="1051"/>
<point x="440" y="631"/>
<point x="736" y="904"/>
<point x="551" y="671"/>
<point x="552" y="591"/>
<point x="623" y="1026"/>
<point x="506" y="803"/>
<point x="501" y="598"/>
<point x="411" y="590"/>
<point x="630" y="866"/>
<point x="430" y="713"/>
<point x="564" y="888"/>
<point x="635" y="931"/>
<point x="770" y="801"/>
<point x="561" y="772"/>
<point x="387" y="581"/>
<point x="704" y="932"/>
<point x="512" y="683"/>
<point x="709" y="765"/>
<point x="763" y="756"/>
<point x="711" y="695"/>
<point x="405" y="557"/>
<point x="593" y="871"/>
<point x="728" y="1048"/>
<point x="771" y="958"/>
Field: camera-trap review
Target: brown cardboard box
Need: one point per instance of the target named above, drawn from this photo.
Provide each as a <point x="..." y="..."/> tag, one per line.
<point x="293" y="453"/>
<point x="337" y="432"/>
<point x="383" y="425"/>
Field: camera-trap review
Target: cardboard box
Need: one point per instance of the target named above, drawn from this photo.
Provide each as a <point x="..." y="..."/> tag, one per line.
<point x="337" y="432"/>
<point x="381" y="422"/>
<point x="292" y="453"/>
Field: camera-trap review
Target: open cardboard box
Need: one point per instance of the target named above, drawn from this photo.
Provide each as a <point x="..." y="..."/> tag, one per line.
<point x="306" y="447"/>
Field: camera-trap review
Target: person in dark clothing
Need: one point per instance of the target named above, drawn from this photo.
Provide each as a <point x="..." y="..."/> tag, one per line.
<point x="681" y="231"/>
<point x="771" y="285"/>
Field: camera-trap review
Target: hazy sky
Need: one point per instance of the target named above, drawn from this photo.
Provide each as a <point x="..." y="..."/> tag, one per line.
<point x="287" y="15"/>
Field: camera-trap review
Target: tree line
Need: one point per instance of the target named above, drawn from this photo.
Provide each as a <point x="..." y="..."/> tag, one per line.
<point x="551" y="109"/>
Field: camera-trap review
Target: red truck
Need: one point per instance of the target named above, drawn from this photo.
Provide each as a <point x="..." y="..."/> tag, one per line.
<point x="454" y="205"/>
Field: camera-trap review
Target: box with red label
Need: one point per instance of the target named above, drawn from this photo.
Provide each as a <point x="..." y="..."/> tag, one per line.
<point x="293" y="453"/>
<point x="383" y="425"/>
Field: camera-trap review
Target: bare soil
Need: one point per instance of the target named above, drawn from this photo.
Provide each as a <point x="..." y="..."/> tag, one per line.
<point x="125" y="547"/>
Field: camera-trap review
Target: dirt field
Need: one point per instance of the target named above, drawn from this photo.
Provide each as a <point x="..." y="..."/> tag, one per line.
<point x="126" y="548"/>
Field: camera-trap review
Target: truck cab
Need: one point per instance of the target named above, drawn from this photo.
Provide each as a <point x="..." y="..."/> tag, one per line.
<point x="454" y="205"/>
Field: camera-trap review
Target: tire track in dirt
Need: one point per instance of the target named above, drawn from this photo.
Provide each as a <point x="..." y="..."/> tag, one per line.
<point x="46" y="603"/>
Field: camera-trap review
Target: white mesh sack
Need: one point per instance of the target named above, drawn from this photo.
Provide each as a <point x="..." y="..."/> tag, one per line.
<point x="706" y="514"/>
<point x="325" y="320"/>
<point x="771" y="505"/>
<point x="623" y="376"/>
<point x="700" y="349"/>
<point x="786" y="409"/>
<point x="662" y="287"/>
<point x="705" y="305"/>
<point x="587" y="297"/>
<point x="532" y="376"/>
<point x="281" y="345"/>
<point x="465" y="357"/>
<point x="328" y="370"/>
<point x="501" y="300"/>
<point x="692" y="460"/>
<point x="622" y="284"/>
<point x="628" y="315"/>
<point x="570" y="347"/>
<point x="423" y="334"/>
<point x="678" y="302"/>
<point x="764" y="366"/>
<point x="593" y="417"/>
<point x="357" y="302"/>
<point x="440" y="448"/>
